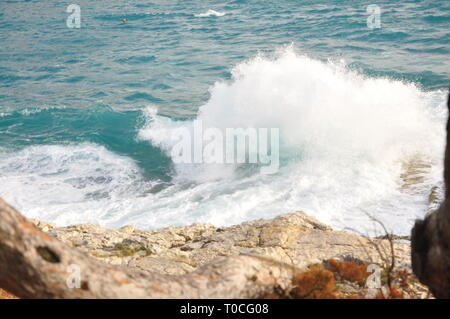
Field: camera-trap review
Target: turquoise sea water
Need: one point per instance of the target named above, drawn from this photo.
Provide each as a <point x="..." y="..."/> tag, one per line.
<point x="85" y="114"/>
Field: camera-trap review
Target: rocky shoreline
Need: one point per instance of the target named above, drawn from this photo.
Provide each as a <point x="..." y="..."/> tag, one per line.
<point x="290" y="256"/>
<point x="294" y="239"/>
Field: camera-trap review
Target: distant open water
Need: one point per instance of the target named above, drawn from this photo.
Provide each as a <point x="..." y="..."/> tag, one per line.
<point x="85" y="113"/>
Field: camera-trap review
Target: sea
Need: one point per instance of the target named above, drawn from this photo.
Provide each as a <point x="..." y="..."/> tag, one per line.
<point x="91" y="93"/>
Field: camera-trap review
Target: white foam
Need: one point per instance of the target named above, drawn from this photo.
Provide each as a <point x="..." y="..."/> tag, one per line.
<point x="58" y="182"/>
<point x="210" y="13"/>
<point x="33" y="110"/>
<point x="344" y="138"/>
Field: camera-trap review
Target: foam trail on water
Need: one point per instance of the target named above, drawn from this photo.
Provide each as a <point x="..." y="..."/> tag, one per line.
<point x="210" y="13"/>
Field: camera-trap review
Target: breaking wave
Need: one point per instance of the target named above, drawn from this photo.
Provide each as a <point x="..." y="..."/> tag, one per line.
<point x="350" y="145"/>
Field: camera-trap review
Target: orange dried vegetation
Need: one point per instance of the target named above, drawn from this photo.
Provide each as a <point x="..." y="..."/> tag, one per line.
<point x="403" y="276"/>
<point x="316" y="283"/>
<point x="394" y="293"/>
<point x="349" y="270"/>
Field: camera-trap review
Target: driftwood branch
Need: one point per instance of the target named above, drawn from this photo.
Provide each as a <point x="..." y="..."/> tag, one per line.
<point x="35" y="265"/>
<point x="430" y="240"/>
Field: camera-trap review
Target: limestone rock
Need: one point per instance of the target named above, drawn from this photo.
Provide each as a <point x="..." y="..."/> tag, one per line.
<point x="294" y="238"/>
